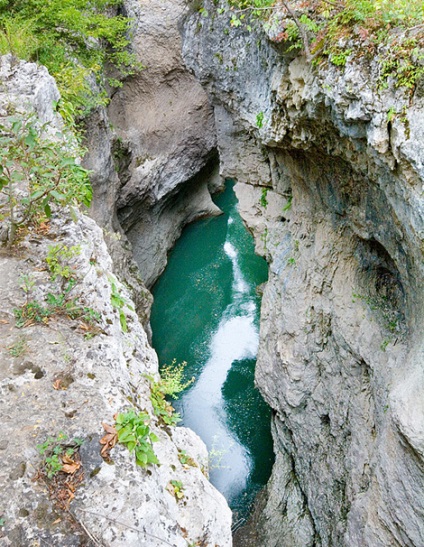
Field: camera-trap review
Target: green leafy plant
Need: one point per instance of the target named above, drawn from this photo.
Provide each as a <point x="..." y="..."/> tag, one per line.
<point x="336" y="30"/>
<point x="260" y="120"/>
<point x="134" y="432"/>
<point x="185" y="459"/>
<point x="391" y="114"/>
<point x="118" y="303"/>
<point x="19" y="348"/>
<point x="164" y="411"/>
<point x="264" y="238"/>
<point x="33" y="311"/>
<point x="176" y="488"/>
<point x="27" y="284"/>
<point x="59" y="259"/>
<point x="75" y="39"/>
<point x="339" y="59"/>
<point x="170" y="384"/>
<point x="402" y="64"/>
<point x="288" y="205"/>
<point x="36" y="172"/>
<point x="56" y="452"/>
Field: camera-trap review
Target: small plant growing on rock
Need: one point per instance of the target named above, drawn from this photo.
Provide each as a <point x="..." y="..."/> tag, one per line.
<point x="134" y="432"/>
<point x="176" y="488"/>
<point x="18" y="348"/>
<point x="170" y="384"/>
<point x="186" y="460"/>
<point x="260" y="120"/>
<point x="118" y="303"/>
<point x="59" y="259"/>
<point x="263" y="200"/>
<point x="60" y="468"/>
<point x="33" y="312"/>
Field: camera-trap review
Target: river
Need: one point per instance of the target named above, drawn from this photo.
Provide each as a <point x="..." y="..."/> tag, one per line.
<point x="206" y="312"/>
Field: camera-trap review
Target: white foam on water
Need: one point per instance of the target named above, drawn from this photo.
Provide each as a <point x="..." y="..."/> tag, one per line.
<point x="239" y="285"/>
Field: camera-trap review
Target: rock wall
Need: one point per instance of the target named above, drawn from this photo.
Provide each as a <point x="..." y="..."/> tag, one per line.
<point x="163" y="143"/>
<point x="62" y="378"/>
<point x="333" y="191"/>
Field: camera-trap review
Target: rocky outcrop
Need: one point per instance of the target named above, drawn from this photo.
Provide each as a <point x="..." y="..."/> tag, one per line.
<point x="164" y="147"/>
<point x="61" y="378"/>
<point x="332" y="189"/>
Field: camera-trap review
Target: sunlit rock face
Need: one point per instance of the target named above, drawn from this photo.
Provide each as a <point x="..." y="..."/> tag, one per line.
<point x="61" y="378"/>
<point x="333" y="193"/>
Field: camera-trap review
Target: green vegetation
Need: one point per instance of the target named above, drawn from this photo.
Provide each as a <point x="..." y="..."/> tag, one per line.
<point x="74" y="39"/>
<point x="59" y="304"/>
<point x="57" y="453"/>
<point x="170" y="384"/>
<point x="390" y="317"/>
<point x="185" y="459"/>
<point x="118" y="303"/>
<point x="36" y="172"/>
<point x="58" y="261"/>
<point x="288" y="205"/>
<point x="176" y="489"/>
<point x="134" y="432"/>
<point x="335" y="30"/>
<point x="263" y="200"/>
<point x="18" y="348"/>
<point x="259" y="120"/>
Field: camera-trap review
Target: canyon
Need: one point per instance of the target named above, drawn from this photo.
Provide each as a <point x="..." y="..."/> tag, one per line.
<point x="331" y="187"/>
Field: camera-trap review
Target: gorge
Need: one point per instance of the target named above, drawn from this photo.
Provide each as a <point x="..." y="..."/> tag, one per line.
<point x="329" y="174"/>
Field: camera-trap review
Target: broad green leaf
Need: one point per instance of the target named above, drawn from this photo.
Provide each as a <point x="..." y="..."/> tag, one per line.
<point x="37" y="194"/>
<point x="58" y="195"/>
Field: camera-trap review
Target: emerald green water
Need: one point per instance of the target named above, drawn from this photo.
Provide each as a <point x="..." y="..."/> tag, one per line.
<point x="206" y="312"/>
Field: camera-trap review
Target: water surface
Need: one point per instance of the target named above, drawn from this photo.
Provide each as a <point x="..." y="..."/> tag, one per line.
<point x="206" y="312"/>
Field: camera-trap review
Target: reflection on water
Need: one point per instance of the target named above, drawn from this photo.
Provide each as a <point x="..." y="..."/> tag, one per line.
<point x="213" y="274"/>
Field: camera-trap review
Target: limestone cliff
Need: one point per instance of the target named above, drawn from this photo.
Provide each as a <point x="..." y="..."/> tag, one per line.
<point x="62" y="376"/>
<point x="159" y="131"/>
<point x="332" y="188"/>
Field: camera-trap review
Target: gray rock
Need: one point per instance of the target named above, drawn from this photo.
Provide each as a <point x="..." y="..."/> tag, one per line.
<point x="340" y="358"/>
<point x="164" y="143"/>
<point x="61" y="376"/>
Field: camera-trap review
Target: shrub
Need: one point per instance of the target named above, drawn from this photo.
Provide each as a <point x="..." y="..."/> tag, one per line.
<point x="72" y="38"/>
<point x="36" y="172"/>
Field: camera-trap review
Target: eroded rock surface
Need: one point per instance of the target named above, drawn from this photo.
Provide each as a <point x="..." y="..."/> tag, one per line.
<point x="165" y="152"/>
<point x="65" y="377"/>
<point x="56" y="378"/>
<point x="333" y="192"/>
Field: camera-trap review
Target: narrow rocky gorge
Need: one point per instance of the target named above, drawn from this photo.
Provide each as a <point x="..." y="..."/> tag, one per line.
<point x="332" y="190"/>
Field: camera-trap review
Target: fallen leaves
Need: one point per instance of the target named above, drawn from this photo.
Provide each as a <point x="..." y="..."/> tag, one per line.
<point x="57" y="385"/>
<point x="43" y="228"/>
<point x="69" y="465"/>
<point x="63" y="484"/>
<point x="108" y="441"/>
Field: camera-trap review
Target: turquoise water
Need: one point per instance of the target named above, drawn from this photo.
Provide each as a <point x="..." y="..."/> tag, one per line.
<point x="206" y="312"/>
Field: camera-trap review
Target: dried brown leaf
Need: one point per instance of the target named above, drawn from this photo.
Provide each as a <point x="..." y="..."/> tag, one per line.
<point x="109" y="440"/>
